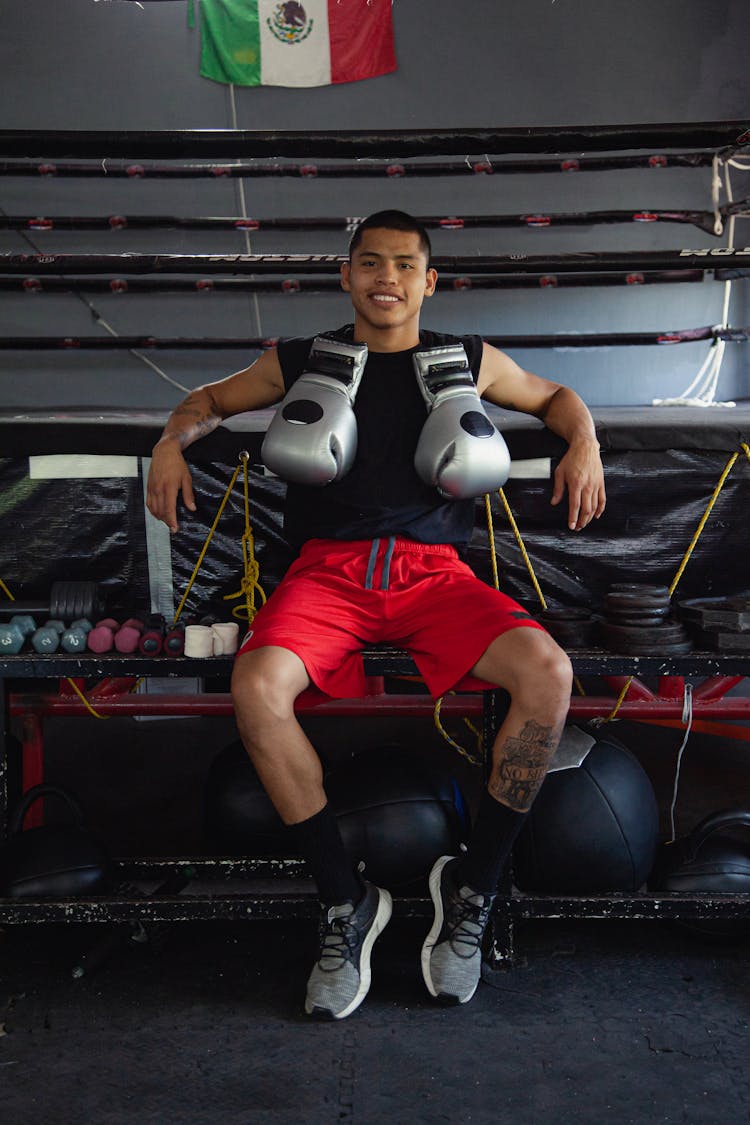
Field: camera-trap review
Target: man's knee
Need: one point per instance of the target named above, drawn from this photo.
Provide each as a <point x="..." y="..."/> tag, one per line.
<point x="266" y="682"/>
<point x="552" y="669"/>
<point x="529" y="664"/>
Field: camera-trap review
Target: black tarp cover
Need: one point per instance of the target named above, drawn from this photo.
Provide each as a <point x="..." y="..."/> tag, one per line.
<point x="661" y="467"/>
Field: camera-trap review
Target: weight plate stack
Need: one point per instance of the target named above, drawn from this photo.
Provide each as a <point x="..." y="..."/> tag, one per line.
<point x="638" y="621"/>
<point x="573" y="628"/>
<point x="718" y="624"/>
<point x="71" y="600"/>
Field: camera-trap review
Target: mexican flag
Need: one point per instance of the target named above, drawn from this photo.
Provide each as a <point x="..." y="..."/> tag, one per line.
<point x="291" y="43"/>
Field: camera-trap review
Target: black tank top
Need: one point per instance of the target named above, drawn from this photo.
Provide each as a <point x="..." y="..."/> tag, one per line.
<point x="381" y="495"/>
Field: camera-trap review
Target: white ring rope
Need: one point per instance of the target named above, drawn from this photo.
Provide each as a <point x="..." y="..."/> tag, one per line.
<point x="702" y="390"/>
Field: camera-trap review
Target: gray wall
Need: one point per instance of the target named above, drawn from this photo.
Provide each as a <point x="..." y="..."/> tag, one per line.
<point x="85" y="65"/>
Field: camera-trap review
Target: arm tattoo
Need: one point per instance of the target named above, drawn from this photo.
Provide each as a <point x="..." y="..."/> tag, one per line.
<point x="203" y="421"/>
<point x="522" y="765"/>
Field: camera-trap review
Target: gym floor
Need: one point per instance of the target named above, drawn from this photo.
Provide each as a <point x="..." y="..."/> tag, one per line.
<point x="635" y="1022"/>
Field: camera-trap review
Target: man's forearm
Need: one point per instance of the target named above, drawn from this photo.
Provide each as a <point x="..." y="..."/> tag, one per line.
<point x="193" y="418"/>
<point x="568" y="416"/>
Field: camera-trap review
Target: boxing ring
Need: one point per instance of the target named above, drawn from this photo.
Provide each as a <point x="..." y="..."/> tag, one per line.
<point x="649" y="686"/>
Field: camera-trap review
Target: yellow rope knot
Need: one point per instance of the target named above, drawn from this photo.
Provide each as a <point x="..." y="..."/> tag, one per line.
<point x="249" y="583"/>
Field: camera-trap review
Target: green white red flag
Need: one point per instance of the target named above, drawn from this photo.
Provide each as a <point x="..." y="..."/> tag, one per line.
<point x="291" y="43"/>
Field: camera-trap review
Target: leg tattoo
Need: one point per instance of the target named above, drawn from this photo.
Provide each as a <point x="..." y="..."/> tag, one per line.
<point x="522" y="764"/>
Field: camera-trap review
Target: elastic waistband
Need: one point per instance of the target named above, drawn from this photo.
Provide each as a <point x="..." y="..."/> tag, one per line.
<point x="410" y="545"/>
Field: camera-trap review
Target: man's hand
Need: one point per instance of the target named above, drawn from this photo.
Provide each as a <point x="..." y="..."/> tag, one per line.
<point x="168" y="476"/>
<point x="581" y="472"/>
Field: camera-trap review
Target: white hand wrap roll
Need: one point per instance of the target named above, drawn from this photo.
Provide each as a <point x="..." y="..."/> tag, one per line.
<point x="199" y="641"/>
<point x="313" y="436"/>
<point x="459" y="450"/>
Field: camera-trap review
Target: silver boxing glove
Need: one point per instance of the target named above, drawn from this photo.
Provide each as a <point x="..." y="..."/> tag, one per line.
<point x="459" y="450"/>
<point x="312" y="438"/>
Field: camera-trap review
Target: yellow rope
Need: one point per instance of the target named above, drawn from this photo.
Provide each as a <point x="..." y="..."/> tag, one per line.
<point x="451" y="741"/>
<point x="491" y="534"/>
<point x="249" y="581"/>
<point x="702" y="524"/>
<point x="693" y="543"/>
<point x="209" y="537"/>
<point x="620" y="700"/>
<point x="496" y="583"/>
<point x="522" y="548"/>
<point x="525" y="556"/>
<point x="251" y="569"/>
<point x="84" y="700"/>
<point x="6" y="591"/>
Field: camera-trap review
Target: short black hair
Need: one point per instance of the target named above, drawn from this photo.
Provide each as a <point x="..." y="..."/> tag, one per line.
<point x="392" y="220"/>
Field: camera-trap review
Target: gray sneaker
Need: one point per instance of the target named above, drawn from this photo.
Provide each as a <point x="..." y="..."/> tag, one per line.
<point x="452" y="952"/>
<point x="340" y="978"/>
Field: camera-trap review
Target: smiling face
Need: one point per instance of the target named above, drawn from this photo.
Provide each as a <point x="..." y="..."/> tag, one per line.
<point x="388" y="279"/>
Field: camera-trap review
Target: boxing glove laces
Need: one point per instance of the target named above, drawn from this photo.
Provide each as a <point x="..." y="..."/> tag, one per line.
<point x="312" y="438"/>
<point x="459" y="450"/>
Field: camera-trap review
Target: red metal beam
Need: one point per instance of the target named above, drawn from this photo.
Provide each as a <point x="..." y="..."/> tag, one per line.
<point x="383" y="705"/>
<point x="715" y="687"/>
<point x="221" y="704"/>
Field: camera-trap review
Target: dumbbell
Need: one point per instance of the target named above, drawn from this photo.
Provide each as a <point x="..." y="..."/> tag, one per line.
<point x="159" y="637"/>
<point x="67" y="601"/>
<point x="46" y="639"/>
<point x="74" y="638"/>
<point x="21" y="627"/>
<point x="102" y="637"/>
<point x="11" y="640"/>
<point x="14" y="634"/>
<point x="128" y="636"/>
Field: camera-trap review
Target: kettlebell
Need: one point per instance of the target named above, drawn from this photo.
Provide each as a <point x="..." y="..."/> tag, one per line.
<point x="711" y="861"/>
<point x="55" y="860"/>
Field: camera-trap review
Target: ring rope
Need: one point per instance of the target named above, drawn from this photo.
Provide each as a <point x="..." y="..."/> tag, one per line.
<point x="359" y="169"/>
<point x="212" y="144"/>
<point x="290" y="286"/>
<point x="610" y="261"/>
<point x="711" y="222"/>
<point x="704" y="385"/>
<point x="719" y="335"/>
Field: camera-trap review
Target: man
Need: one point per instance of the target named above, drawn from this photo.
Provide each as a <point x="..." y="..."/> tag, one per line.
<point x="379" y="561"/>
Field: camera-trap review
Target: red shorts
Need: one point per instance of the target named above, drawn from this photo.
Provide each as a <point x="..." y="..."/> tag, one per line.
<point x="341" y="596"/>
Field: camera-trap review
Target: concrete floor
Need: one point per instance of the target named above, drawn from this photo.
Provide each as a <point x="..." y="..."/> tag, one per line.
<point x="626" y="1022"/>
<point x="633" y="1023"/>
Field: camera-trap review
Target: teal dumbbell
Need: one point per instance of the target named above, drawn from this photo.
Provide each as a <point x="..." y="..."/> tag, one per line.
<point x="11" y="640"/>
<point x="74" y="638"/>
<point x="46" y="640"/>
<point x="25" y="623"/>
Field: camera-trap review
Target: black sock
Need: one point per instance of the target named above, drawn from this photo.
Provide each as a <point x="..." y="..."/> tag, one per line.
<point x="319" y="842"/>
<point x="491" y="843"/>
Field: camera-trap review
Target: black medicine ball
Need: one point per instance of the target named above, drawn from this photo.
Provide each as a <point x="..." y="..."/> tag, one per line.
<point x="397" y="810"/>
<point x="592" y="828"/>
